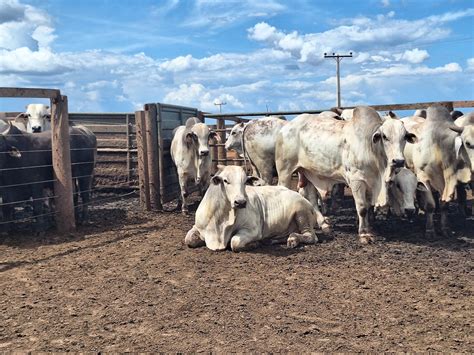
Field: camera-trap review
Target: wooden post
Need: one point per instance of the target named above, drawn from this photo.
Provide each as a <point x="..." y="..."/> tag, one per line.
<point x="152" y="148"/>
<point x="221" y="153"/>
<point x="61" y="154"/>
<point x="143" y="178"/>
<point x="161" y="154"/>
<point x="129" y="146"/>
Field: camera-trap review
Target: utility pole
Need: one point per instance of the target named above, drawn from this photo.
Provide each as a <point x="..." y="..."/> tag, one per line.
<point x="219" y="103"/>
<point x="338" y="58"/>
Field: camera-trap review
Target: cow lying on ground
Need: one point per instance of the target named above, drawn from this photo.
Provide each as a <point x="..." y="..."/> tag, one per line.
<point x="234" y="213"/>
<point x="190" y="154"/>
<point x="362" y="152"/>
<point x="26" y="169"/>
<point x="256" y="140"/>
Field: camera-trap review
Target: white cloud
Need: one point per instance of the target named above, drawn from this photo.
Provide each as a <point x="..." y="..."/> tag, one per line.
<point x="385" y="3"/>
<point x="470" y="64"/>
<point x="23" y="26"/>
<point x="413" y="56"/>
<point x="196" y="95"/>
<point x="362" y="34"/>
<point x="218" y="14"/>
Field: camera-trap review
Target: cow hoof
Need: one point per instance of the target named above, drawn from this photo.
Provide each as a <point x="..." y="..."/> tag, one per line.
<point x="446" y="233"/>
<point x="292" y="242"/>
<point x="430" y="234"/>
<point x="366" y="238"/>
<point x="185" y="213"/>
<point x="326" y="228"/>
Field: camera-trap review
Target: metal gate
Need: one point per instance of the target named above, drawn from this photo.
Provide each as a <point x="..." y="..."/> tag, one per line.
<point x="158" y="177"/>
<point x="169" y="117"/>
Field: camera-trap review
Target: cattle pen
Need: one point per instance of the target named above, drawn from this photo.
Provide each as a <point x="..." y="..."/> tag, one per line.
<point x="125" y="281"/>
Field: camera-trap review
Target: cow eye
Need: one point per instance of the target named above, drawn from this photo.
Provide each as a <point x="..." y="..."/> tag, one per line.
<point x="469" y="145"/>
<point x="226" y="181"/>
<point x="398" y="185"/>
<point x="384" y="137"/>
<point x="233" y="133"/>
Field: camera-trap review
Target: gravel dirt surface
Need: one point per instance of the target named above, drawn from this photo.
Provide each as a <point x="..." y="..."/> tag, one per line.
<point x="127" y="283"/>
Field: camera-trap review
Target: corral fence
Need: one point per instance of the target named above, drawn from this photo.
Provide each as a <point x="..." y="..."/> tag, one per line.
<point x="60" y="151"/>
<point x="116" y="164"/>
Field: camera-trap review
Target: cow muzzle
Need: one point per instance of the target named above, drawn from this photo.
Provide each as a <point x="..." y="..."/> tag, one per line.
<point x="204" y="153"/>
<point x="36" y="129"/>
<point x="240" y="203"/>
<point x="398" y="163"/>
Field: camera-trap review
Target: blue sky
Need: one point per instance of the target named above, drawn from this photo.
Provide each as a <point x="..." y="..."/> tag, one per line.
<point x="114" y="56"/>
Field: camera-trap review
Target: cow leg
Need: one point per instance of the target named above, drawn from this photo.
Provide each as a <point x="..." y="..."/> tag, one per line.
<point x="427" y="203"/>
<point x="337" y="196"/>
<point x="193" y="238"/>
<point x="284" y="177"/>
<point x="244" y="240"/>
<point x="359" y="191"/>
<point x="85" y="185"/>
<point x="38" y="209"/>
<point x="184" y="194"/>
<point x="444" y="206"/>
<point x="306" y="235"/>
<point x="462" y="199"/>
<point x="310" y="193"/>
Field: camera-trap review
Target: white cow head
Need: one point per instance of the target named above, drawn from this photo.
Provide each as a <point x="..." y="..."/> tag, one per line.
<point x="402" y="192"/>
<point x="37" y="118"/>
<point x="466" y="140"/>
<point x="393" y="135"/>
<point x="199" y="134"/>
<point x="234" y="141"/>
<point x="232" y="181"/>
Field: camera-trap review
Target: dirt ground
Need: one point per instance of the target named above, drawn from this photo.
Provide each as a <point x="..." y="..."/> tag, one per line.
<point x="127" y="283"/>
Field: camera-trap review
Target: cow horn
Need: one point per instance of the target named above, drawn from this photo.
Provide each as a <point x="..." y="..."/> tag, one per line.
<point x="456" y="129"/>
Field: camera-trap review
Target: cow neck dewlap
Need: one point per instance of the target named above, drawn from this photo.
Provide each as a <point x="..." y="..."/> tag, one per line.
<point x="219" y="214"/>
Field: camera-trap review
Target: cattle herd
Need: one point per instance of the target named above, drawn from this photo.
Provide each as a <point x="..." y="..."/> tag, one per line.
<point x="395" y="165"/>
<point x="27" y="178"/>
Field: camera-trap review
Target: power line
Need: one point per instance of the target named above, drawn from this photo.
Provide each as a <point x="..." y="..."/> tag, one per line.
<point x="338" y="58"/>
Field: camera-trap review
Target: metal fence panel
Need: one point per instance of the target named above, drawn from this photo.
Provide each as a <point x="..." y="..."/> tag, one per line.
<point x="169" y="117"/>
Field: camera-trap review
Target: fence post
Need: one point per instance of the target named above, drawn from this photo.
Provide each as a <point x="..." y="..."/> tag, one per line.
<point x="61" y="155"/>
<point x="152" y="151"/>
<point x="221" y="153"/>
<point x="129" y="146"/>
<point x="142" y="160"/>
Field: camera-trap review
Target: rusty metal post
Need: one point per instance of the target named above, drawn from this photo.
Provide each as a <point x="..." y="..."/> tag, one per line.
<point x="142" y="160"/>
<point x="221" y="153"/>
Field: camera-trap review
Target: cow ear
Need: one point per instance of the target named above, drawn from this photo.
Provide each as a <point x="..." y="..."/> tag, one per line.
<point x="421" y="187"/>
<point x="254" y="181"/>
<point x="376" y="137"/>
<point x="214" y="135"/>
<point x="190" y="137"/>
<point x="14" y="152"/>
<point x="216" y="180"/>
<point x="411" y="137"/>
